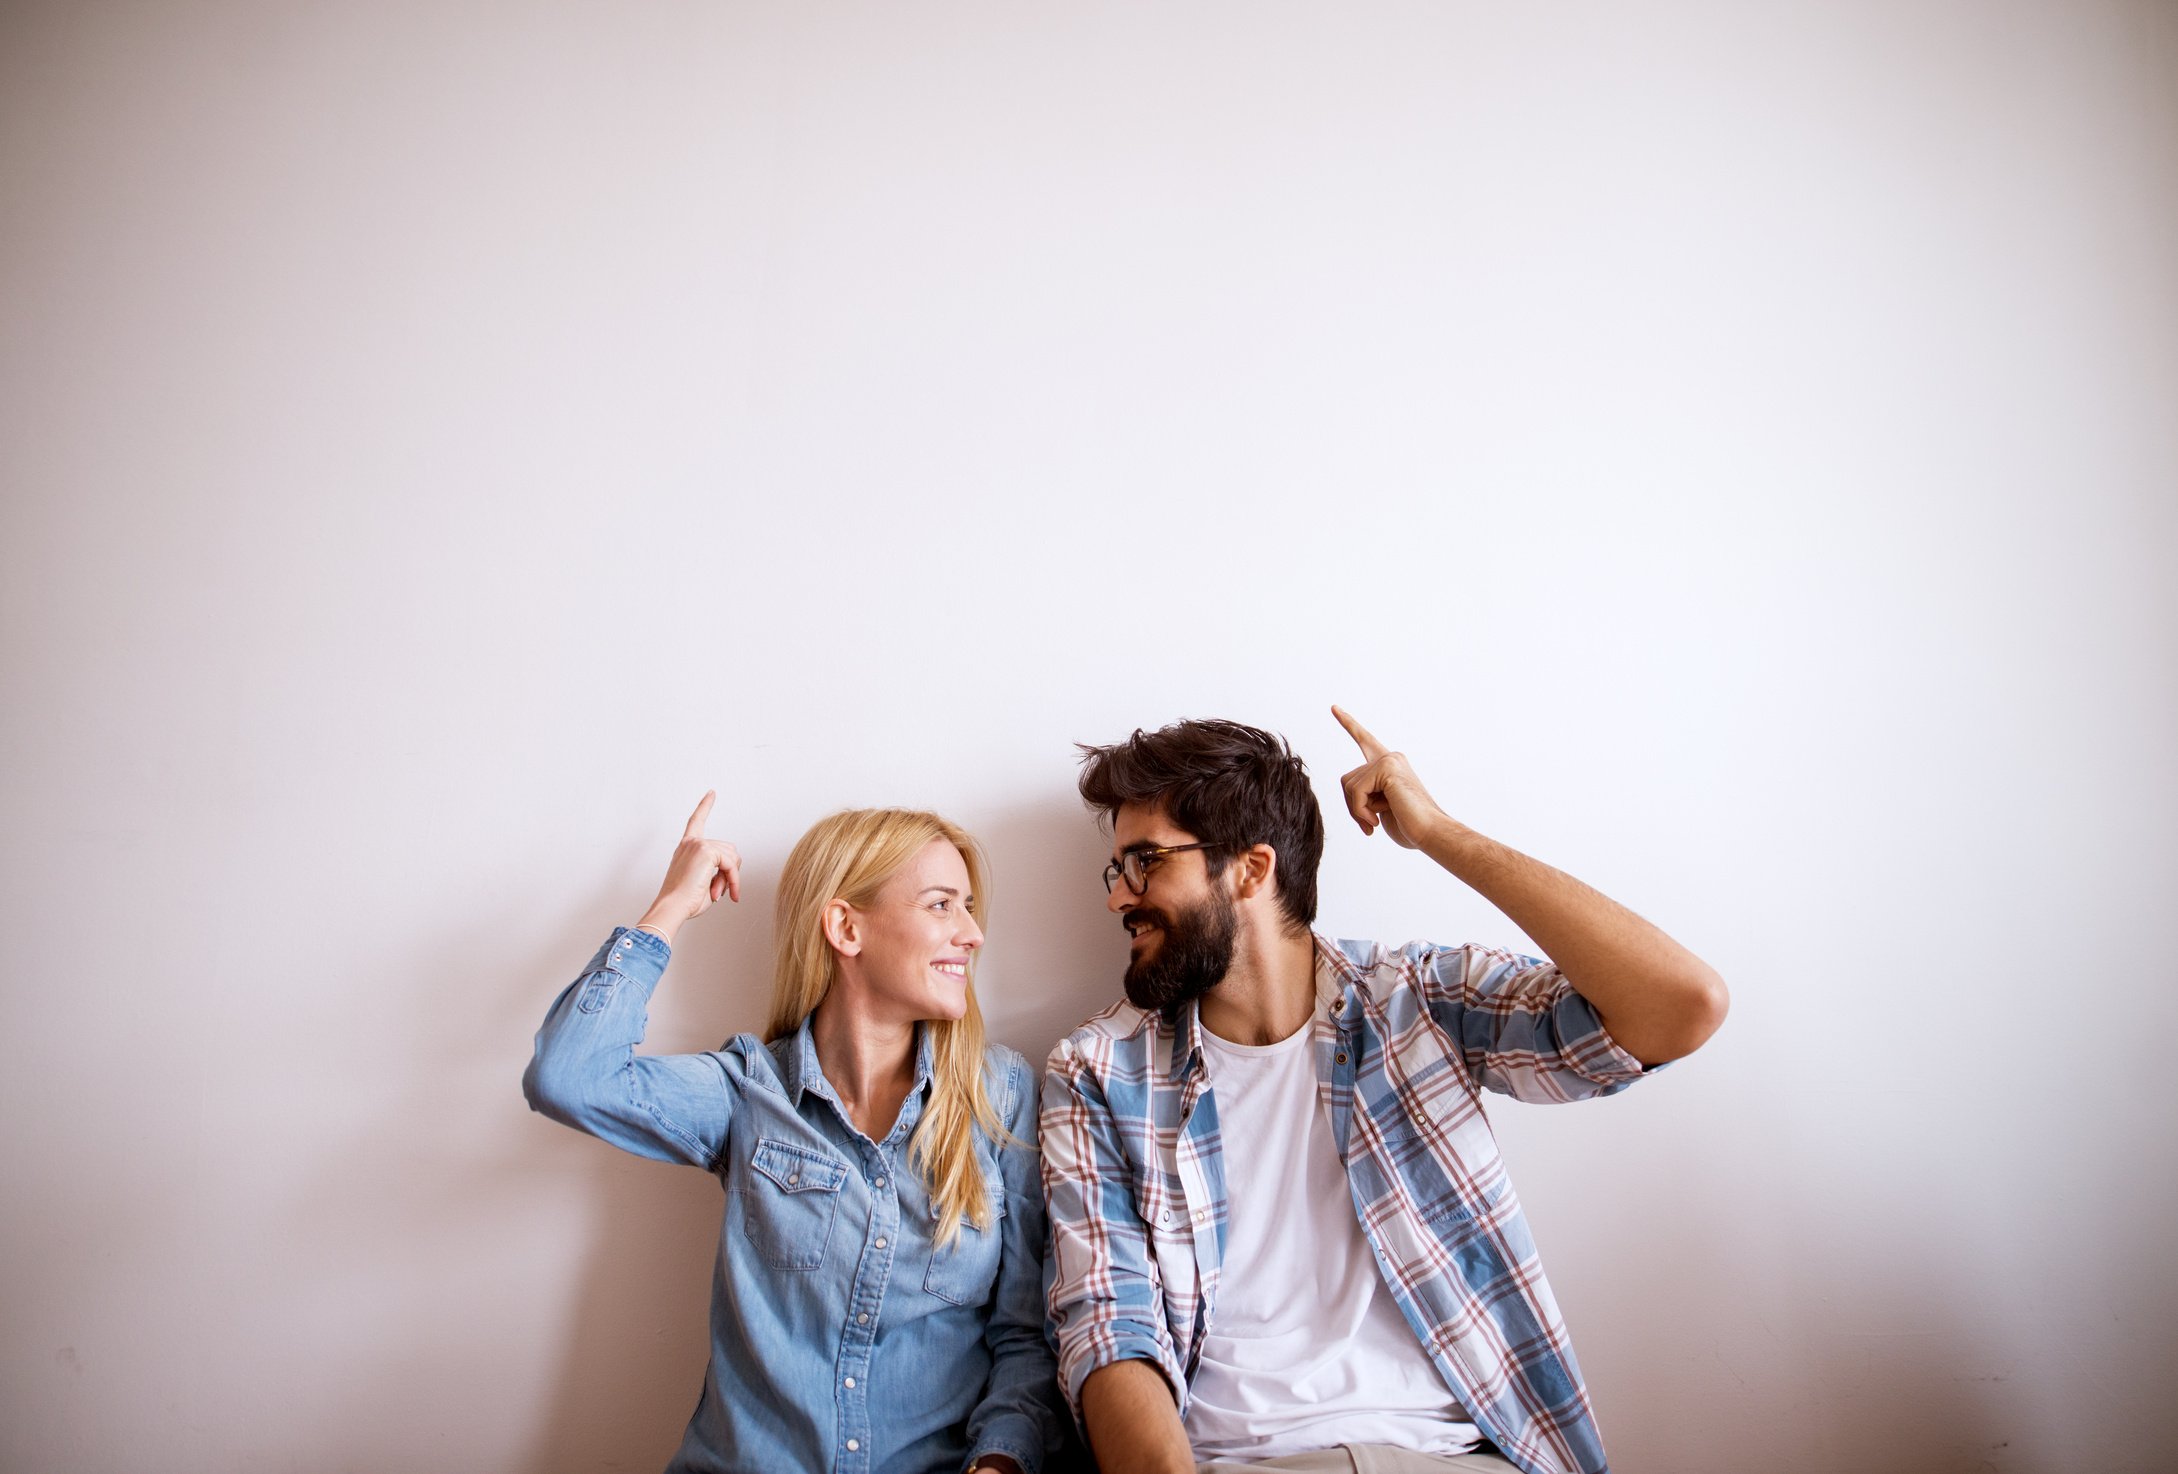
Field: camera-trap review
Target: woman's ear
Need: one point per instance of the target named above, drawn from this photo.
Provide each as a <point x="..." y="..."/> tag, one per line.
<point x="842" y="928"/>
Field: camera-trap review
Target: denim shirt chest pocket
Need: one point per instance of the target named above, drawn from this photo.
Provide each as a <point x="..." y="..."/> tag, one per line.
<point x="963" y="1271"/>
<point x="789" y="1197"/>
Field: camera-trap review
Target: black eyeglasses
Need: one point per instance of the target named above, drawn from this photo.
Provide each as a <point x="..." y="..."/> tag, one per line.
<point x="1136" y="865"/>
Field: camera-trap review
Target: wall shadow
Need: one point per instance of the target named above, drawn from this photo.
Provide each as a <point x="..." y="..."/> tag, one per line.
<point x="632" y="1353"/>
<point x="1725" y="1328"/>
<point x="638" y="1337"/>
<point x="438" y="1193"/>
<point x="440" y="1188"/>
<point x="1055" y="955"/>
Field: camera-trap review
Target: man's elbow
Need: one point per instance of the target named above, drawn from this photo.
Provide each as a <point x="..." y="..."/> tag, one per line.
<point x="1697" y="1009"/>
<point x="1708" y="1001"/>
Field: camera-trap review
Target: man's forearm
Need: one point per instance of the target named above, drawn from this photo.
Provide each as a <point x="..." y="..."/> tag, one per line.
<point x="1656" y="999"/>
<point x="1133" y="1421"/>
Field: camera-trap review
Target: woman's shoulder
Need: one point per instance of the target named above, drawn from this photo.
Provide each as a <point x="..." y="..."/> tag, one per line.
<point x="997" y="1056"/>
<point x="1008" y="1077"/>
<point x="1001" y="1064"/>
<point x="749" y="1061"/>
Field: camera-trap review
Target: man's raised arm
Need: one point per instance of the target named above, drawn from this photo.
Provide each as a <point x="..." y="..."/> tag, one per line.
<point x="1656" y="999"/>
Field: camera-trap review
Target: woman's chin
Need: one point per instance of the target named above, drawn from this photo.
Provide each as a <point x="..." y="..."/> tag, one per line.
<point x="947" y="1010"/>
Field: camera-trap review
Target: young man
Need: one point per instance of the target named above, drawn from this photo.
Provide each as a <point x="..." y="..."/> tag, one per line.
<point x="1282" y="1236"/>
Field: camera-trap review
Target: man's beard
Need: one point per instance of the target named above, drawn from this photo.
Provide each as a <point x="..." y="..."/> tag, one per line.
<point x="1194" y="952"/>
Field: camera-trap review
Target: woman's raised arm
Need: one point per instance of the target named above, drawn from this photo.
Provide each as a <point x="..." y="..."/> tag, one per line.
<point x="585" y="1072"/>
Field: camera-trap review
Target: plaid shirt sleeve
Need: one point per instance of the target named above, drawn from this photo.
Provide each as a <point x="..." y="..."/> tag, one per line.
<point x="1105" y="1298"/>
<point x="1522" y="1029"/>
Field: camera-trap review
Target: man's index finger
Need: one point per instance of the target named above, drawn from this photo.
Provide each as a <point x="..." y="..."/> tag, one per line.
<point x="1370" y="747"/>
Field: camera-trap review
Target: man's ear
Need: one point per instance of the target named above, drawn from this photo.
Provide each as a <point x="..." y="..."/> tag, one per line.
<point x="1255" y="871"/>
<point x="842" y="928"/>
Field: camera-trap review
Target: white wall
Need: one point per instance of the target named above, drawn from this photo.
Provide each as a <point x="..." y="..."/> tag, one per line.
<point x="1730" y="448"/>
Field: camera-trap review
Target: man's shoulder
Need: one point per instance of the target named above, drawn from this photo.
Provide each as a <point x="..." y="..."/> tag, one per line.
<point x="1382" y="968"/>
<point x="1122" y="1037"/>
<point x="1378" y="966"/>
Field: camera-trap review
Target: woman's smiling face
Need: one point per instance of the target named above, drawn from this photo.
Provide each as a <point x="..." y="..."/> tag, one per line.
<point x="916" y="939"/>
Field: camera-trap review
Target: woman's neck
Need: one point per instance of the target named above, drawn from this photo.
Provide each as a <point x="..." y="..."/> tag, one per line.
<point x="870" y="1063"/>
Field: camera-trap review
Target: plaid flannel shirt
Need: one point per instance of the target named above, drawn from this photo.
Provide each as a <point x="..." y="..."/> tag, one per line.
<point x="1133" y="1166"/>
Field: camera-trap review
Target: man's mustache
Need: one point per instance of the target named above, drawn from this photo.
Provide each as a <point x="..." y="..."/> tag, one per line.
<point x="1150" y="914"/>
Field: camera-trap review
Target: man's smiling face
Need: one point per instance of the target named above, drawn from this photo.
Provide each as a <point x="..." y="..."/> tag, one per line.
<point x="1183" y="923"/>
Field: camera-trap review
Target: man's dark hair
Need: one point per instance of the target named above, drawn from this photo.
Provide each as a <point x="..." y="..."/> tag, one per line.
<point x="1229" y="785"/>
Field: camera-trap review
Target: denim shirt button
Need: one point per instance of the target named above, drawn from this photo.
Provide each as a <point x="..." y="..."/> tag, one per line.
<point x="850" y="1381"/>
<point x="852" y="1445"/>
<point x="880" y="1243"/>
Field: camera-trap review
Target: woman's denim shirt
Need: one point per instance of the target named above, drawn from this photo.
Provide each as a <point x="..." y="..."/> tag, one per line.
<point x="842" y="1336"/>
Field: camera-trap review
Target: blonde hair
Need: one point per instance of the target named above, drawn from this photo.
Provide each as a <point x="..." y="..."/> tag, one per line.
<point x="849" y="856"/>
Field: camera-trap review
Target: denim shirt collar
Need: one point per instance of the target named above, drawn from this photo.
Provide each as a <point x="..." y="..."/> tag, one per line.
<point x="803" y="1073"/>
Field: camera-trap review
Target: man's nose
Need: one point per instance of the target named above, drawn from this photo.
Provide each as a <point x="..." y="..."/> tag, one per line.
<point x="1119" y="898"/>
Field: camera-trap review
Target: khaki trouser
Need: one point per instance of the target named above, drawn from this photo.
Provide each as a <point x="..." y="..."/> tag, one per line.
<point x="1367" y="1458"/>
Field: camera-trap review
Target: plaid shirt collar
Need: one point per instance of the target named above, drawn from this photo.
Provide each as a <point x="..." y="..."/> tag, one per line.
<point x="1334" y="976"/>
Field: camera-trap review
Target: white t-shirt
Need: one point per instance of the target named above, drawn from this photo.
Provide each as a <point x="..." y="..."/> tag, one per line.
<point x="1306" y="1348"/>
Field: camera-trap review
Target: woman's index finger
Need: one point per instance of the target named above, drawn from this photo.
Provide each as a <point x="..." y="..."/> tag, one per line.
<point x="703" y="812"/>
<point x="1370" y="747"/>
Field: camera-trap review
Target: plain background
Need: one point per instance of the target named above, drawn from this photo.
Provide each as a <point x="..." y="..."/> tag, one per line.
<point x="1730" y="448"/>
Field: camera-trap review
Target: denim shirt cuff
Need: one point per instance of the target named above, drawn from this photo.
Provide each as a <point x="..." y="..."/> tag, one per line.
<point x="1020" y="1443"/>
<point x="634" y="951"/>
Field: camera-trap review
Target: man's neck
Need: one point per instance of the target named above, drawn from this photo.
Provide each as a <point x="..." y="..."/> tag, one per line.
<point x="1269" y="991"/>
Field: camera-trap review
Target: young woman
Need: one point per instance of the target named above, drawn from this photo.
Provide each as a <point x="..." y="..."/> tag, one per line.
<point x="878" y="1302"/>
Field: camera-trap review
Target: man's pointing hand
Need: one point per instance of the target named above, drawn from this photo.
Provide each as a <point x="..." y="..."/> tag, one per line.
<point x="1384" y="790"/>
